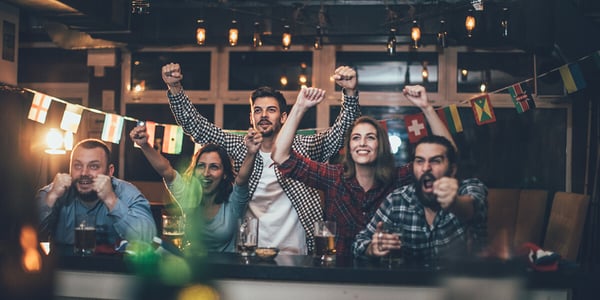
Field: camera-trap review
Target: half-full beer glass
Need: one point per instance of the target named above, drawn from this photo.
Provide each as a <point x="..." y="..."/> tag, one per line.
<point x="173" y="229"/>
<point x="85" y="234"/>
<point x="247" y="238"/>
<point x="325" y="232"/>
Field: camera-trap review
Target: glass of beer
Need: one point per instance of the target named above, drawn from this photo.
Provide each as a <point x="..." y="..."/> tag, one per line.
<point x="394" y="257"/>
<point x="325" y="232"/>
<point x="85" y="234"/>
<point x="247" y="238"/>
<point x="173" y="229"/>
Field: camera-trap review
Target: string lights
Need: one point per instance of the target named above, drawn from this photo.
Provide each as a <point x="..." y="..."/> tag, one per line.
<point x="470" y="23"/>
<point x="233" y="33"/>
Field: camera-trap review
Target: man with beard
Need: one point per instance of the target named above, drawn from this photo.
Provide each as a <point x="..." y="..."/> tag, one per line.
<point x="120" y="209"/>
<point x="286" y="209"/>
<point x="437" y="214"/>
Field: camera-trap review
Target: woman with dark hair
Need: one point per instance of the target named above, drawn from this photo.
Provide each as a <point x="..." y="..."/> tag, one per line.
<point x="209" y="189"/>
<point x="355" y="188"/>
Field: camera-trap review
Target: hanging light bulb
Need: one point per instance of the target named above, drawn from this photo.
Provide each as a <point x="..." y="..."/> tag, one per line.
<point x="470" y="23"/>
<point x="256" y="36"/>
<point x="318" y="45"/>
<point x="504" y="22"/>
<point x="483" y="87"/>
<point x="286" y="37"/>
<point x="415" y="34"/>
<point x="425" y="71"/>
<point x="200" y="32"/>
<point x="233" y="33"/>
<point x="55" y="142"/>
<point x="391" y="42"/>
<point x="283" y="80"/>
<point x="442" y="36"/>
<point x="464" y="73"/>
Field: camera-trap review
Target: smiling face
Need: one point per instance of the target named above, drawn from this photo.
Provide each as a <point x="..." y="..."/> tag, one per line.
<point x="363" y="144"/>
<point x="209" y="169"/>
<point x="86" y="164"/>
<point x="266" y="116"/>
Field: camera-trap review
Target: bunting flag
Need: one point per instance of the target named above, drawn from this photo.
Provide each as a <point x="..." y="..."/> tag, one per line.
<point x="521" y="97"/>
<point x="451" y="118"/>
<point x="172" y="139"/>
<point x="415" y="126"/>
<point x="113" y="126"/>
<point x="71" y="118"/>
<point x="572" y="77"/>
<point x="150" y="130"/>
<point x="483" y="110"/>
<point x="39" y="107"/>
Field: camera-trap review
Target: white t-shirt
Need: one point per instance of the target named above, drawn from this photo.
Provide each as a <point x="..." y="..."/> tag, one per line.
<point x="278" y="223"/>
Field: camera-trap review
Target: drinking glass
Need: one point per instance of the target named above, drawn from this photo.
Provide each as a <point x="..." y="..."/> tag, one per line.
<point x="247" y="238"/>
<point x="174" y="229"/>
<point x="325" y="232"/>
<point x="394" y="256"/>
<point x="85" y="234"/>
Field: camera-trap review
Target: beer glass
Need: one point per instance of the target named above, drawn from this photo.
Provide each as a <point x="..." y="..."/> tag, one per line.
<point x="85" y="234"/>
<point x="394" y="257"/>
<point x="173" y="229"/>
<point x="247" y="237"/>
<point x="325" y="232"/>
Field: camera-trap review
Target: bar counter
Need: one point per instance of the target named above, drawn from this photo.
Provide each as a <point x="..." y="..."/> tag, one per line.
<point x="303" y="277"/>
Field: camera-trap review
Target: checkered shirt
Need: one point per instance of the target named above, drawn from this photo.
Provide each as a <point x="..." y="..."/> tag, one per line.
<point x="447" y="236"/>
<point x="320" y="147"/>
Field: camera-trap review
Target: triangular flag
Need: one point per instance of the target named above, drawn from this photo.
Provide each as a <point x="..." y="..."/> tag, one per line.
<point x="521" y="97"/>
<point x="451" y="118"/>
<point x="39" y="107"/>
<point x="572" y="77"/>
<point x="415" y="126"/>
<point x="71" y="118"/>
<point x="150" y="130"/>
<point x="113" y="126"/>
<point x="172" y="139"/>
<point x="483" y="110"/>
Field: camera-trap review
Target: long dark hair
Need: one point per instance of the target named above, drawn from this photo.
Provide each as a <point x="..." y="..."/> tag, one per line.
<point x="226" y="185"/>
<point x="384" y="165"/>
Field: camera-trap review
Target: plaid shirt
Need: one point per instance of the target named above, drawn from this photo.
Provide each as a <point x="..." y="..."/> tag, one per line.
<point x="320" y="147"/>
<point x="346" y="202"/>
<point x="447" y="235"/>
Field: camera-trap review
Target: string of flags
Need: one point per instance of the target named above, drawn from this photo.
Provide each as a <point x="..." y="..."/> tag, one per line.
<point x="483" y="111"/>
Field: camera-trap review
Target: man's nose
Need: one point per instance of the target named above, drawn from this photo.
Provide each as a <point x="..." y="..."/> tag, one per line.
<point x="426" y="166"/>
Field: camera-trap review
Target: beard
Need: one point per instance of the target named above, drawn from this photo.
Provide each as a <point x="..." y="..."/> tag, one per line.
<point x="427" y="199"/>
<point x="88" y="196"/>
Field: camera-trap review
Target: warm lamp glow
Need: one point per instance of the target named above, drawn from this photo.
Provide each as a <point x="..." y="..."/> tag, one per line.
<point x="200" y="33"/>
<point x="470" y="23"/>
<point x="302" y="79"/>
<point x="318" y="44"/>
<point x="286" y="38"/>
<point x="31" y="260"/>
<point x="483" y="87"/>
<point x="442" y="36"/>
<point x="256" y="36"/>
<point x="233" y="34"/>
<point x="391" y="42"/>
<point x="415" y="34"/>
<point x="55" y="142"/>
<point x="283" y="80"/>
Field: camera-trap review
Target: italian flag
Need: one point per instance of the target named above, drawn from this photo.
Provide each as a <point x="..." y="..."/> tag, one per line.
<point x="113" y="126"/>
<point x="172" y="139"/>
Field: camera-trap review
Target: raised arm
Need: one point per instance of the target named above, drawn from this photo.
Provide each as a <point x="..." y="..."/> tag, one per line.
<point x="139" y="135"/>
<point x="253" y="140"/>
<point x="418" y="96"/>
<point x="307" y="98"/>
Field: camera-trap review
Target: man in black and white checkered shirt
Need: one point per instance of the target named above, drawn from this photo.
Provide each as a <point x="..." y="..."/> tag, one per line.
<point x="285" y="224"/>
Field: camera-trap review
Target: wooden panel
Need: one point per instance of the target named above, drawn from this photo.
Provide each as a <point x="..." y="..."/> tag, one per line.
<point x="531" y="213"/>
<point x="155" y="191"/>
<point x="502" y="212"/>
<point x="565" y="226"/>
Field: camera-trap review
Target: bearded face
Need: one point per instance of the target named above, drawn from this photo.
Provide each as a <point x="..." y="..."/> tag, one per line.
<point x="424" y="190"/>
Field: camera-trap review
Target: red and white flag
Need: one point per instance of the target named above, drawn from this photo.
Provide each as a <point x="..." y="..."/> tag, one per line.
<point x="39" y="107"/>
<point x="415" y="126"/>
<point x="150" y="130"/>
<point x="113" y="127"/>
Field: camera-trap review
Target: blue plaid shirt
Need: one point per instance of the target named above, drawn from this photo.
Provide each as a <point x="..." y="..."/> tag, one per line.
<point x="447" y="236"/>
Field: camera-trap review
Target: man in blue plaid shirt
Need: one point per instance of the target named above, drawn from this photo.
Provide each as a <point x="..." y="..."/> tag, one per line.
<point x="437" y="214"/>
<point x="286" y="209"/>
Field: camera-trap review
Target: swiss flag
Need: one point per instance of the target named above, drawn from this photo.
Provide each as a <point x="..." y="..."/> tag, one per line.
<point x="415" y="126"/>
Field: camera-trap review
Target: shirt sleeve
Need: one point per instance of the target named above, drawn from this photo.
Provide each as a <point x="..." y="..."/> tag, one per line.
<point x="132" y="215"/>
<point x="324" y="145"/>
<point x="240" y="195"/>
<point x="188" y="193"/>
<point x="317" y="175"/>
<point x="47" y="215"/>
